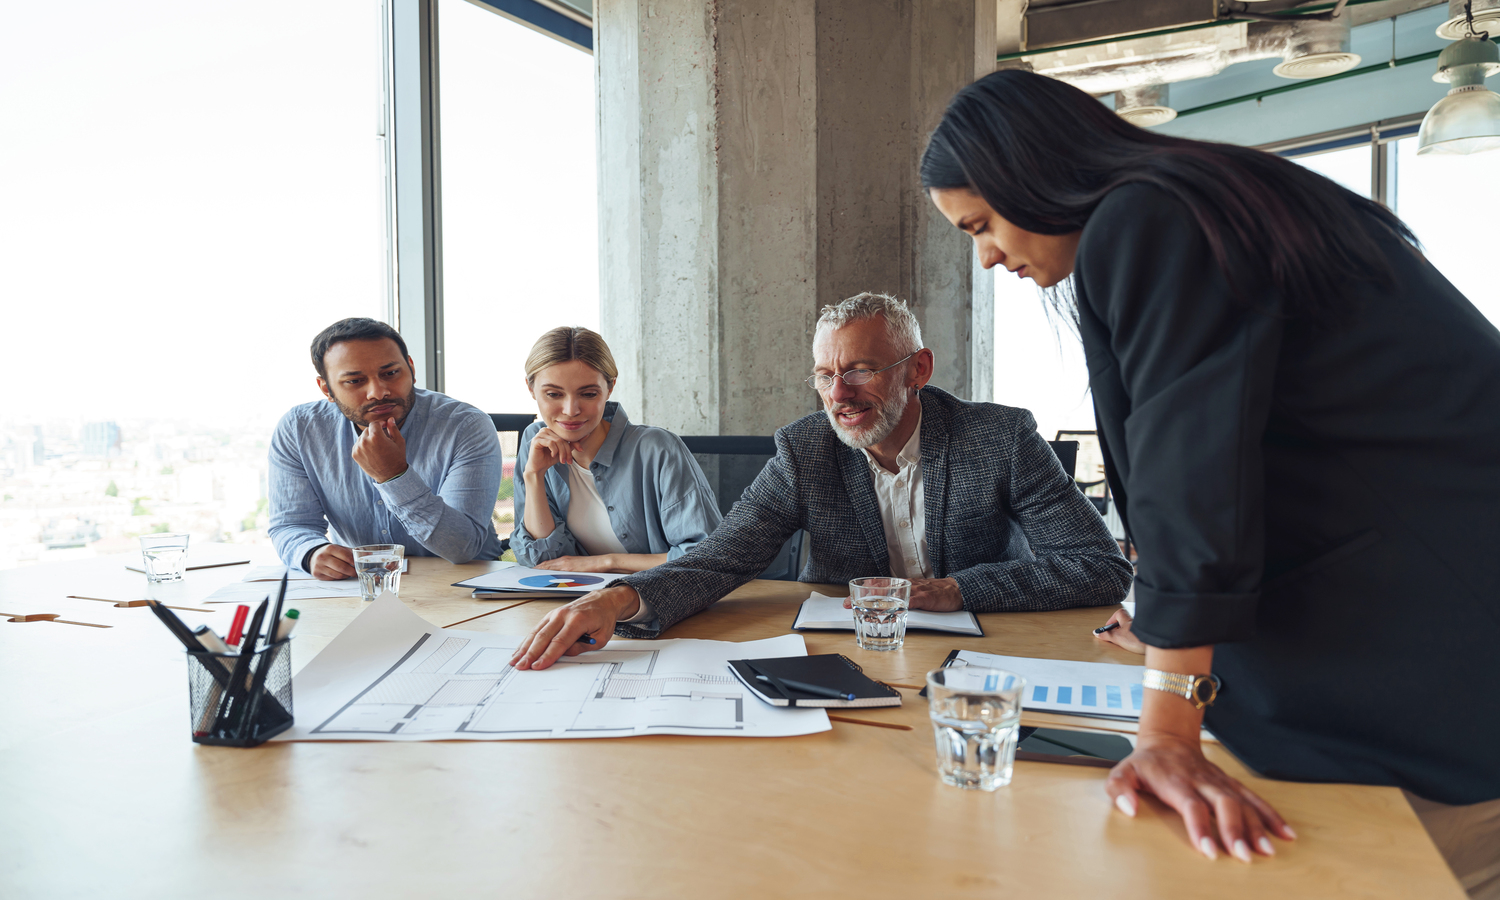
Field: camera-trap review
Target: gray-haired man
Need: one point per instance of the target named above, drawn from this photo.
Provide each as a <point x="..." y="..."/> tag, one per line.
<point x="965" y="499"/>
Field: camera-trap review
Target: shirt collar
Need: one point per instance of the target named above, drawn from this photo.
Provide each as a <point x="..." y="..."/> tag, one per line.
<point x="614" y="414"/>
<point x="911" y="453"/>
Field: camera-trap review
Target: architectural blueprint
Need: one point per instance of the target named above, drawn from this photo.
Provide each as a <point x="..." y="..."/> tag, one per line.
<point x="393" y="676"/>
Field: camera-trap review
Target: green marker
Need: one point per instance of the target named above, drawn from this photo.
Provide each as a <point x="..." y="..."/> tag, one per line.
<point x="287" y="623"/>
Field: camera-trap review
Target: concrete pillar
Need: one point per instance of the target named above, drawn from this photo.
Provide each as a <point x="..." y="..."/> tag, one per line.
<point x="758" y="159"/>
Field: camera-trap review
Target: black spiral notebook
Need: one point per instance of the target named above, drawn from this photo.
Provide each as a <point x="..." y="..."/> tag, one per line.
<point x="828" y="670"/>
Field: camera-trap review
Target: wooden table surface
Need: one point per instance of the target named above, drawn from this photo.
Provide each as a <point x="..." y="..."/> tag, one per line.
<point x="103" y="794"/>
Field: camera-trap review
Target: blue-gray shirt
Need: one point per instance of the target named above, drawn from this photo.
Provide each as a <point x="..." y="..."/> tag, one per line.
<point x="657" y="498"/>
<point x="441" y="506"/>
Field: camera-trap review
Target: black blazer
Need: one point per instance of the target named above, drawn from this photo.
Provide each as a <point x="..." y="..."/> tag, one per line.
<point x="1323" y="502"/>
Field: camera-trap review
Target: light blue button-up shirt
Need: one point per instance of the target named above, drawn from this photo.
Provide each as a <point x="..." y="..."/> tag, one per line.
<point x="657" y="498"/>
<point x="441" y="506"/>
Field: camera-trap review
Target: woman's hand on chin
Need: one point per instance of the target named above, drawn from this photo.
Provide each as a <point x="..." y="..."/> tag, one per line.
<point x="548" y="449"/>
<point x="578" y="564"/>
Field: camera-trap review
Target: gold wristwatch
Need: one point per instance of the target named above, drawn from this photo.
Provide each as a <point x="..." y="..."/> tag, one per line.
<point x="1199" y="690"/>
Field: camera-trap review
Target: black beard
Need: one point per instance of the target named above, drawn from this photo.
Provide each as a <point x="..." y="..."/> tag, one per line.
<point x="402" y="404"/>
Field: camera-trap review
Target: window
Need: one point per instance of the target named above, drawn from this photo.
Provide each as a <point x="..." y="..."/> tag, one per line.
<point x="1039" y="362"/>
<point x="1444" y="199"/>
<point x="191" y="192"/>
<point x="1349" y="166"/>
<point x="1449" y="201"/>
<point x="520" y="207"/>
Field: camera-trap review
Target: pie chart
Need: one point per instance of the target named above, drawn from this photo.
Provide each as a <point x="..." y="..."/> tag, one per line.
<point x="562" y="582"/>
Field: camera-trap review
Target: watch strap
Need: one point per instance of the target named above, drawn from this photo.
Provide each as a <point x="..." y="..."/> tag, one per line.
<point x="1200" y="690"/>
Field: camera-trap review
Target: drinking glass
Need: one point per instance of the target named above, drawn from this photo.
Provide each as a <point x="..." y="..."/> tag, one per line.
<point x="165" y="556"/>
<point x="379" y="569"/>
<point x="880" y="605"/>
<point x="975" y="713"/>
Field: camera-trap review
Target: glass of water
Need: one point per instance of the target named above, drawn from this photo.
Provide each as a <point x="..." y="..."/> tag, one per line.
<point x="379" y="569"/>
<point x="165" y="556"/>
<point x="976" y="713"/>
<point x="880" y="605"/>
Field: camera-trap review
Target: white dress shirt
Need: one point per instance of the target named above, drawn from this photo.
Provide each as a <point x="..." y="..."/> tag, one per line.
<point x="903" y="511"/>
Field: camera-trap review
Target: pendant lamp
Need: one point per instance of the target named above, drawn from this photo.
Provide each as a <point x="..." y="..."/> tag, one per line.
<point x="1468" y="119"/>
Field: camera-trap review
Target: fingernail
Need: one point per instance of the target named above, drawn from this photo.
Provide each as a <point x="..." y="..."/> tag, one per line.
<point x="1290" y="834"/>
<point x="1241" y="851"/>
<point x="1206" y="844"/>
<point x="1126" y="807"/>
<point x="1265" y="846"/>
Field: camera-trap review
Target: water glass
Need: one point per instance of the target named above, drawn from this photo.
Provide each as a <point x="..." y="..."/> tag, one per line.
<point x="165" y="556"/>
<point x="976" y="713"/>
<point x="880" y="605"/>
<point x="379" y="569"/>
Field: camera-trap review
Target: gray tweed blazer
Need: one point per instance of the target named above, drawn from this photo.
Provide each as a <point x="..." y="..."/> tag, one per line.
<point x="1003" y="519"/>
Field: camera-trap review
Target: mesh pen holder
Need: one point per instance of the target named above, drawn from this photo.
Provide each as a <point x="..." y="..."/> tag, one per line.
<point x="259" y="710"/>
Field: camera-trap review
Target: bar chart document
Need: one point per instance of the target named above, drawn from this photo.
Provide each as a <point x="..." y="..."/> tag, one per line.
<point x="1066" y="686"/>
<point x="393" y="676"/>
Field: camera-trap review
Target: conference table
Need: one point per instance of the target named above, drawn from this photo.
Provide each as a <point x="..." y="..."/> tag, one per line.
<point x="103" y="793"/>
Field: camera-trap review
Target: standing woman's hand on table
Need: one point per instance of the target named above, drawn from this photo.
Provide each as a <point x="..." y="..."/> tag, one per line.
<point x="1168" y="761"/>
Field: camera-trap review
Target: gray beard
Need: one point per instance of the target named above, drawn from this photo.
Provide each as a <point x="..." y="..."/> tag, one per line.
<point x="887" y="417"/>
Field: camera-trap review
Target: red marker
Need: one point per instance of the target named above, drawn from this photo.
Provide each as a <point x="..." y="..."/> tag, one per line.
<point x="238" y="625"/>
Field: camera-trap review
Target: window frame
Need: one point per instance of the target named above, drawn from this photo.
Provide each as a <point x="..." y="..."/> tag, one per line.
<point x="410" y="129"/>
<point x="1376" y="134"/>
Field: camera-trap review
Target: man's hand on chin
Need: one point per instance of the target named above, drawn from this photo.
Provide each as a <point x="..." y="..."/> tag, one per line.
<point x="936" y="594"/>
<point x="381" y="450"/>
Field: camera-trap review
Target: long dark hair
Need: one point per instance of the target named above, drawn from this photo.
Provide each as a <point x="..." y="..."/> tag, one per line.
<point x="1044" y="154"/>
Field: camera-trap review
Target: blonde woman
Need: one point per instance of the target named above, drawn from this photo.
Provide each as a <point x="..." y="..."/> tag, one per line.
<point x="599" y="493"/>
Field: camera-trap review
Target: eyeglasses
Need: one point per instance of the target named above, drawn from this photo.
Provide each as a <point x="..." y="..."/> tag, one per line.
<point x="853" y="377"/>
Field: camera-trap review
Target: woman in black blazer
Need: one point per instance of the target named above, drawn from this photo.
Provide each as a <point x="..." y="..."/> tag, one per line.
<point x="1301" y="423"/>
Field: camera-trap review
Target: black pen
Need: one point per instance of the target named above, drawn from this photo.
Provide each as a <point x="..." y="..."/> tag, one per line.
<point x="816" y="690"/>
<point x="1110" y="627"/>
<point x="585" y="639"/>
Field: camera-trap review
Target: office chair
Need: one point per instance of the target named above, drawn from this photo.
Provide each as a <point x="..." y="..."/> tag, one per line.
<point x="511" y="423"/>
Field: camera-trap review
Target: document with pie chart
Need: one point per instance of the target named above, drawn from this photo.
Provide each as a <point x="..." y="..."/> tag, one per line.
<point x="520" y="579"/>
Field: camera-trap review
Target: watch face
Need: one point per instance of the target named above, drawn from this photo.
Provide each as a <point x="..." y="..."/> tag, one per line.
<point x="1205" y="689"/>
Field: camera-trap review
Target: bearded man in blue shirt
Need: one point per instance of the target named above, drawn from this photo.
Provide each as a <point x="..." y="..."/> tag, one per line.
<point x="380" y="461"/>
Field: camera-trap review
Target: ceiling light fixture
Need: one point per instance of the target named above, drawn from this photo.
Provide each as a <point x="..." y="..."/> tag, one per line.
<point x="1468" y="119"/>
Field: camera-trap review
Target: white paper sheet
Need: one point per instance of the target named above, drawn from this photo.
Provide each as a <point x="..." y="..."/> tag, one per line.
<point x="393" y="676"/>
<point x="521" y="578"/>
<point x="253" y="592"/>
<point x="274" y="573"/>
<point x="821" y="612"/>
<point x="1065" y="686"/>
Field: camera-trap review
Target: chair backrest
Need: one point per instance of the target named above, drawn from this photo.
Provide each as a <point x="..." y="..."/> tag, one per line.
<point x="1067" y="454"/>
<point x="516" y="422"/>
<point x="731" y="462"/>
<point x="509" y="424"/>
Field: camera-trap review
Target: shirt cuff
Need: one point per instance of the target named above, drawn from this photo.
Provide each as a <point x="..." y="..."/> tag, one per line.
<point x="307" y="557"/>
<point x="1169" y="620"/>
<point x="404" y="489"/>
<point x="644" y="614"/>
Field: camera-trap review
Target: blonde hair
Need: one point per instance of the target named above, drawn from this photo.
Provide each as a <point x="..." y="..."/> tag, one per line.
<point x="567" y="343"/>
